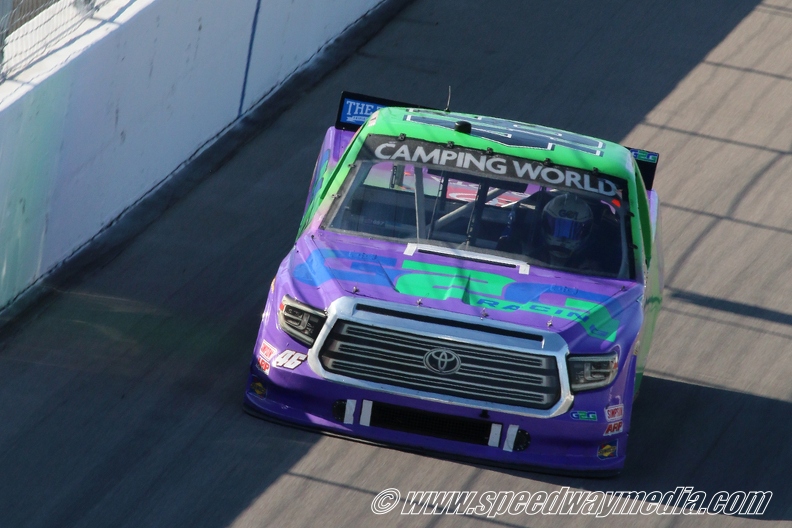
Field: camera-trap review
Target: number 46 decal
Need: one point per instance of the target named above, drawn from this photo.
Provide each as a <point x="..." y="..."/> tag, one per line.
<point x="289" y="360"/>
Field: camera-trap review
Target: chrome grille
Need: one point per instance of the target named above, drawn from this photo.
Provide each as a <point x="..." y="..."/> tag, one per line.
<point x="396" y="358"/>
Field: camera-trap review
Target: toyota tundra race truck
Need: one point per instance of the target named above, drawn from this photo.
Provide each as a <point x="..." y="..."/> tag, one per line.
<point x="466" y="286"/>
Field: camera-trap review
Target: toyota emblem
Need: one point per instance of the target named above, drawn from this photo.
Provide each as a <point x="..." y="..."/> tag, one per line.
<point x="442" y="361"/>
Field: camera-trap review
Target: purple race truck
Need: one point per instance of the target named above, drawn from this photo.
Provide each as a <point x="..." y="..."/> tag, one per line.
<point x="467" y="286"/>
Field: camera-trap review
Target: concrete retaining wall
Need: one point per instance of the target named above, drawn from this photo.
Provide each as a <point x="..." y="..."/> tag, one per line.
<point x="107" y="116"/>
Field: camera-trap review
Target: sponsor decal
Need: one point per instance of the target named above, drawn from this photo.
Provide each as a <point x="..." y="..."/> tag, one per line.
<point x="608" y="450"/>
<point x="615" y="412"/>
<point x="258" y="388"/>
<point x="289" y="360"/>
<point x="264" y="366"/>
<point x="644" y="155"/>
<point x="478" y="162"/>
<point x="588" y="416"/>
<point x="356" y="112"/>
<point x="476" y="288"/>
<point x="614" y="428"/>
<point x="267" y="351"/>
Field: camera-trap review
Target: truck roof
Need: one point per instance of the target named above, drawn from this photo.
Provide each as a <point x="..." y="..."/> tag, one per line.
<point x="503" y="136"/>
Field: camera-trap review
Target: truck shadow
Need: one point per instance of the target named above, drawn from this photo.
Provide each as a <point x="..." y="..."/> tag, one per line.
<point x="711" y="439"/>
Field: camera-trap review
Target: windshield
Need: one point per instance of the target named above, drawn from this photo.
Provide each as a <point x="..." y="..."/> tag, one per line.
<point x="442" y="195"/>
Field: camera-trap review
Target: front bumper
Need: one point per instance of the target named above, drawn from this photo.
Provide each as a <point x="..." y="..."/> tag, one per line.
<point x="573" y="437"/>
<point x="557" y="445"/>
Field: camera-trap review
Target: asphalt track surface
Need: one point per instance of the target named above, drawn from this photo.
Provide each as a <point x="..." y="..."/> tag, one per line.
<point x="120" y="394"/>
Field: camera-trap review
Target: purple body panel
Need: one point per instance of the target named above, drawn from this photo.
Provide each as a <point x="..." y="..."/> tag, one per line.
<point x="589" y="315"/>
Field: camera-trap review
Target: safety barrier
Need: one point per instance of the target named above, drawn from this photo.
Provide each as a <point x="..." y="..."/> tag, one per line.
<point x="117" y="107"/>
<point x="28" y="29"/>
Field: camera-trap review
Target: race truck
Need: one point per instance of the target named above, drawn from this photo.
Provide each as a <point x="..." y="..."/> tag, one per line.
<point x="466" y="286"/>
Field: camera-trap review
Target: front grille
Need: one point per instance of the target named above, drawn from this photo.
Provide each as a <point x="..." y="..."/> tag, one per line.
<point x="486" y="373"/>
<point x="427" y="423"/>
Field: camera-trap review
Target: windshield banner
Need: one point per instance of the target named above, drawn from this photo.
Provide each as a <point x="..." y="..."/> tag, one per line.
<point x="450" y="157"/>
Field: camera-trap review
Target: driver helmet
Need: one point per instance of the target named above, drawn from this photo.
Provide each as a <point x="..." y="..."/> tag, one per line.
<point x="566" y="225"/>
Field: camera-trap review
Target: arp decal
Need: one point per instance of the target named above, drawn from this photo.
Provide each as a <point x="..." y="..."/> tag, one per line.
<point x="614" y="428"/>
<point x="264" y="366"/>
<point x="289" y="360"/>
<point x="608" y="450"/>
<point x="587" y="416"/>
<point x="615" y="412"/>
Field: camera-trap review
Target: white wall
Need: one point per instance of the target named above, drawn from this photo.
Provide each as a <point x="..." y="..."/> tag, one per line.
<point x="90" y="129"/>
<point x="289" y="31"/>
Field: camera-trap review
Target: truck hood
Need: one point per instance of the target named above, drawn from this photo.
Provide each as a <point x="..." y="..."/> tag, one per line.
<point x="587" y="311"/>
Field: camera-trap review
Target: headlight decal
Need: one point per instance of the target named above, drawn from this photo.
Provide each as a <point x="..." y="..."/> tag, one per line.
<point x="592" y="372"/>
<point x="299" y="320"/>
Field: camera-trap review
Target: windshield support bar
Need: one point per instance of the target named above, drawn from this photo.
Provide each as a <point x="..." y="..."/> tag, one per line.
<point x="440" y="200"/>
<point x="465" y="209"/>
<point x="474" y="225"/>
<point x="397" y="176"/>
<point x="420" y="204"/>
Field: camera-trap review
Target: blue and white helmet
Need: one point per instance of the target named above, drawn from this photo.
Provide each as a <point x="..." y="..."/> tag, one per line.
<point x="566" y="225"/>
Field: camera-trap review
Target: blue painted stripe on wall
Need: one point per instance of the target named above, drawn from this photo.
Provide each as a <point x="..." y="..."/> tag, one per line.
<point x="250" y="53"/>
